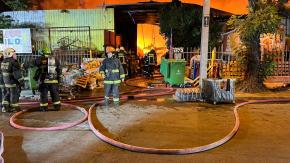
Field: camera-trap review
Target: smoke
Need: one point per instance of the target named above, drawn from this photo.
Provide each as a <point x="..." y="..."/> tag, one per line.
<point x="83" y="4"/>
<point x="232" y="6"/>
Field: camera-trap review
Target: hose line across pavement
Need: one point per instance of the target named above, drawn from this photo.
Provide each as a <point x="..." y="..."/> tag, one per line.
<point x="1" y="147"/>
<point x="124" y="97"/>
<point x="61" y="127"/>
<point x="165" y="91"/>
<point x="192" y="150"/>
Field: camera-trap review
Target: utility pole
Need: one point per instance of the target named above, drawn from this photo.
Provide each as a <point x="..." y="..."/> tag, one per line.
<point x="204" y="41"/>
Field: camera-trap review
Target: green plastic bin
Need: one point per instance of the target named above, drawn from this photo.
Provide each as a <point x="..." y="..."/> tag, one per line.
<point x="173" y="71"/>
<point x="32" y="83"/>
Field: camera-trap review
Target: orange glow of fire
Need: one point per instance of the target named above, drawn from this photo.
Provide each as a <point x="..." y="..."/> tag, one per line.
<point x="148" y="36"/>
<point x="232" y="6"/>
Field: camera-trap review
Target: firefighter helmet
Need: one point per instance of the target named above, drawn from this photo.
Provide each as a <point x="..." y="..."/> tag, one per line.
<point x="8" y="52"/>
<point x="110" y="49"/>
<point x="46" y="51"/>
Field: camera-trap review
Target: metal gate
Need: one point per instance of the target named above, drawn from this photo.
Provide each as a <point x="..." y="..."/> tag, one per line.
<point x="70" y="44"/>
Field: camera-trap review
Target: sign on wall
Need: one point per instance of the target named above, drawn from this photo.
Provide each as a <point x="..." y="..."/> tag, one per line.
<point x="18" y="39"/>
<point x="178" y="52"/>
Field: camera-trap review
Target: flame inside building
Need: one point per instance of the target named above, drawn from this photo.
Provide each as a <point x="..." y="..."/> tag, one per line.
<point x="148" y="36"/>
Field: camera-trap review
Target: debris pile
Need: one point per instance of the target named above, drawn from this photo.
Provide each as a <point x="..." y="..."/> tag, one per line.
<point x="87" y="76"/>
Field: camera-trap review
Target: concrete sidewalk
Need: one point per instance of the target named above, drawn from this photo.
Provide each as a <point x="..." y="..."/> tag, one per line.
<point x="159" y="122"/>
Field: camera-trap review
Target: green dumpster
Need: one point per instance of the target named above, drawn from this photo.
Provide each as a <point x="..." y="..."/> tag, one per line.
<point x="173" y="71"/>
<point x="32" y="83"/>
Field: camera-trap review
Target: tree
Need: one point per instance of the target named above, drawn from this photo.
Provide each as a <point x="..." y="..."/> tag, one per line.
<point x="17" y="5"/>
<point x="5" y="21"/>
<point x="263" y="18"/>
<point x="185" y="23"/>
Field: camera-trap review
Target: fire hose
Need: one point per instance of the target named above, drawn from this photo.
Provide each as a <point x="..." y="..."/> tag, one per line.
<point x="84" y="118"/>
<point x="197" y="149"/>
<point x="61" y="127"/>
<point x="145" y="149"/>
<point x="1" y="147"/>
<point x="166" y="91"/>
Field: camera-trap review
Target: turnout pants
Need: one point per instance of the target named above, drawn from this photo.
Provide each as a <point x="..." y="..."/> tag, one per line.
<point x="112" y="88"/>
<point x="149" y="70"/>
<point x="2" y="95"/>
<point x="11" y="98"/>
<point x="125" y="67"/>
<point x="53" y="89"/>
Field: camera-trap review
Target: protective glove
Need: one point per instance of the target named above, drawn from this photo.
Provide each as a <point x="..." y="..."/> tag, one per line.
<point x="103" y="76"/>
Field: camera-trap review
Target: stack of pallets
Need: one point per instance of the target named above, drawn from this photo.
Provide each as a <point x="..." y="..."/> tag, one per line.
<point x="233" y="70"/>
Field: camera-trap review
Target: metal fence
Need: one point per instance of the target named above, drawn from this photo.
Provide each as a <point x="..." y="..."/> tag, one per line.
<point x="72" y="57"/>
<point x="69" y="44"/>
<point x="221" y="56"/>
<point x="282" y="66"/>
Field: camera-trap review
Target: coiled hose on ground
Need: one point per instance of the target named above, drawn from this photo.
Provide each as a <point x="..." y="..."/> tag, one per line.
<point x="60" y="127"/>
<point x="154" y="150"/>
<point x="177" y="151"/>
<point x="84" y="118"/>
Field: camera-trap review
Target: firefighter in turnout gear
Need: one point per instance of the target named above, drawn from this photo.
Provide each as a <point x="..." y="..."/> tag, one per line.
<point x="13" y="81"/>
<point x="2" y="88"/>
<point x="48" y="74"/>
<point x="123" y="57"/>
<point x="150" y="63"/>
<point x="113" y="74"/>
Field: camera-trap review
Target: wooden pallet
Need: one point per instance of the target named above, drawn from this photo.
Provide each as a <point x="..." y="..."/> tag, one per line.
<point x="82" y="81"/>
<point x="233" y="71"/>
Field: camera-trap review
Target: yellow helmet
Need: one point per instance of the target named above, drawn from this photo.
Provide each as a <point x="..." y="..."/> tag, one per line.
<point x="46" y="51"/>
<point x="110" y="49"/>
<point x="8" y="52"/>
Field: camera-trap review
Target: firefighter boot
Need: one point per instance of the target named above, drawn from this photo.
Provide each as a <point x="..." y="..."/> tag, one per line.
<point x="43" y="108"/>
<point x="6" y="108"/>
<point x="116" y="103"/>
<point x="56" y="107"/>
<point x="106" y="102"/>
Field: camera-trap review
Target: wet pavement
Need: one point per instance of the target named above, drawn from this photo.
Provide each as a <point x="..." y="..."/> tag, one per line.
<point x="158" y="122"/>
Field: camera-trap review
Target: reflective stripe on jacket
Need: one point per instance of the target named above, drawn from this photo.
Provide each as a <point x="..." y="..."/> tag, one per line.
<point x="46" y="73"/>
<point x="11" y="72"/>
<point x="113" y="71"/>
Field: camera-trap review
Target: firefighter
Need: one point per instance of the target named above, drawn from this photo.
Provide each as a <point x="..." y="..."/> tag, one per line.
<point x="48" y="74"/>
<point x="2" y="88"/>
<point x="122" y="55"/>
<point x="150" y="62"/>
<point x="13" y="81"/>
<point x="113" y="73"/>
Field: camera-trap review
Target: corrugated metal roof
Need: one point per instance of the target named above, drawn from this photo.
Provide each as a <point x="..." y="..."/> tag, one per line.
<point x="97" y="19"/>
<point x="20" y="17"/>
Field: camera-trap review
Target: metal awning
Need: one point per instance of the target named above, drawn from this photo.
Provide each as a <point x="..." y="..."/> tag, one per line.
<point x="147" y="12"/>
